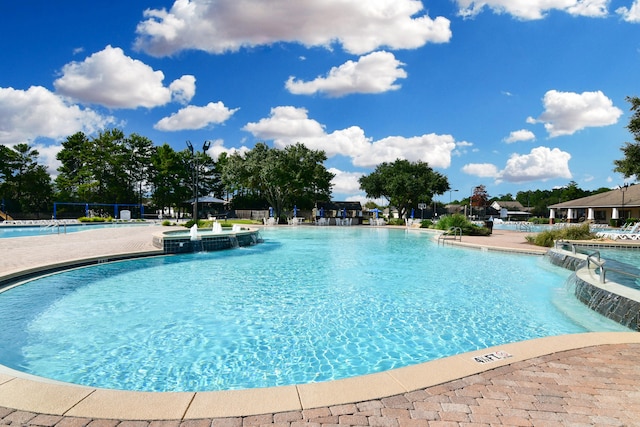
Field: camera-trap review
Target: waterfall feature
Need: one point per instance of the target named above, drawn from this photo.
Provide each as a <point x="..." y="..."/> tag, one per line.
<point x="613" y="306"/>
<point x="196" y="243"/>
<point x="606" y="298"/>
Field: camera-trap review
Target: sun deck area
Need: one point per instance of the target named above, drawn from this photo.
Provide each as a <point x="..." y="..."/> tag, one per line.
<point x="588" y="379"/>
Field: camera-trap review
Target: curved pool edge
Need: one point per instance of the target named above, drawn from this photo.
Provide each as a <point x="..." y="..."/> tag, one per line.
<point x="28" y="393"/>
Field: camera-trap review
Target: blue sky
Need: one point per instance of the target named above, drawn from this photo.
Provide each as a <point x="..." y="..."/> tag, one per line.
<point x="511" y="94"/>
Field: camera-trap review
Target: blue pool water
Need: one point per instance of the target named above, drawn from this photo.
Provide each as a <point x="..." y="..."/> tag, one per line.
<point x="621" y="260"/>
<point x="307" y="305"/>
<point x="7" y="231"/>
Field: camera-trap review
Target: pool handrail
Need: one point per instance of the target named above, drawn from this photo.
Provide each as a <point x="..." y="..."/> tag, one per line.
<point x="56" y="224"/>
<point x="598" y="262"/>
<point x="453" y="233"/>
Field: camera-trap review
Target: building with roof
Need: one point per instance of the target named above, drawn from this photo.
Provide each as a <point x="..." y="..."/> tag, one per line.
<point x="620" y="203"/>
<point x="509" y="209"/>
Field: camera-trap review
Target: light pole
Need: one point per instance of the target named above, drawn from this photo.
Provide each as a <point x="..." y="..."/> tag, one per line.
<point x="450" y="195"/>
<point x="196" y="173"/>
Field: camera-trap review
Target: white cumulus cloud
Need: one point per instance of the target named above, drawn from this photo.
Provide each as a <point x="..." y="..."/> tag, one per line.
<point x="631" y="14"/>
<point x="520" y="135"/>
<point x="183" y="89"/>
<point x="345" y="182"/>
<point x="288" y="125"/>
<point x="534" y="9"/>
<point x="37" y="112"/>
<point x="217" y="148"/>
<point x="541" y="164"/>
<point x="218" y="26"/>
<point x="568" y="112"/>
<point x="285" y="125"/>
<point x="482" y="170"/>
<point x="193" y="117"/>
<point x="112" y="79"/>
<point x="373" y="73"/>
<point x="432" y="148"/>
<point x="47" y="157"/>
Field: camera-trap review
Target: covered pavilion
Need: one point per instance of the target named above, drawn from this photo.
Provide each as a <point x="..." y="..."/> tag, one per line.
<point x="618" y="204"/>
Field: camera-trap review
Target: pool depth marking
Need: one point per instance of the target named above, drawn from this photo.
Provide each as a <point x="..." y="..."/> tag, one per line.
<point x="492" y="357"/>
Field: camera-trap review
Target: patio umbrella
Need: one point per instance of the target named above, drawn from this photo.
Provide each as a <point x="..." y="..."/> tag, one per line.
<point x="375" y="212"/>
<point x="344" y="213"/>
<point x="270" y="212"/>
<point x="321" y="212"/>
<point x="295" y="211"/>
<point x="412" y="213"/>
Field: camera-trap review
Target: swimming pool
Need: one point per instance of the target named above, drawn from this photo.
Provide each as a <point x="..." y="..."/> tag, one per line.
<point x="8" y="231"/>
<point x="626" y="260"/>
<point x="309" y="304"/>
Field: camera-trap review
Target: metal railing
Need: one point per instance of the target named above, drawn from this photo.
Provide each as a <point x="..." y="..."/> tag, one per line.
<point x="524" y="226"/>
<point x="559" y="244"/>
<point x="598" y="262"/>
<point x="57" y="226"/>
<point x="453" y="233"/>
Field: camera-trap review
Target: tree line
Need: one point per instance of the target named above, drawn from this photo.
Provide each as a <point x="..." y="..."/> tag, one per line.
<point x="114" y="168"/>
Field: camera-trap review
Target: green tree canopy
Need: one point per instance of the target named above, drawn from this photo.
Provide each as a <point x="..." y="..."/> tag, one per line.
<point x="171" y="179"/>
<point x="25" y="185"/>
<point x="404" y="184"/>
<point x="109" y="168"/>
<point x="630" y="165"/>
<point x="292" y="176"/>
<point x="538" y="200"/>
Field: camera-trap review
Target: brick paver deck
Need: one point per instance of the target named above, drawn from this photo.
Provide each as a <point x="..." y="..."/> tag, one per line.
<point x="593" y="386"/>
<point x="590" y="386"/>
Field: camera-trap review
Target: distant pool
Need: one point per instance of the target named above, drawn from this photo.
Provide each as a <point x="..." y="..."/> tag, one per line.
<point x="309" y="304"/>
<point x="7" y="231"/>
<point x="522" y="226"/>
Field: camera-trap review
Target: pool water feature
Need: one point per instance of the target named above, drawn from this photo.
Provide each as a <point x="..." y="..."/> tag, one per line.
<point x="307" y="305"/>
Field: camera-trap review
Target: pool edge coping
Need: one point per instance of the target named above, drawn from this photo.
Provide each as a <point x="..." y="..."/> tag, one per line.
<point x="34" y="394"/>
<point x="28" y="393"/>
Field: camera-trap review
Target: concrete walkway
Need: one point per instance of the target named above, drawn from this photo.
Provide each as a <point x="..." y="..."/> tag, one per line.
<point x="576" y="380"/>
<point x="502" y="240"/>
<point x="24" y="253"/>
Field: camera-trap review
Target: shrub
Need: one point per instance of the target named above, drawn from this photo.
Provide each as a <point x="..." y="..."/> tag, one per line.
<point x="190" y="223"/>
<point x="616" y="222"/>
<point x="396" y="221"/>
<point x="166" y="223"/>
<point x="546" y="238"/>
<point x="449" y="221"/>
<point x="92" y="219"/>
<point x="426" y="223"/>
<point x="580" y="232"/>
<point x="458" y="220"/>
